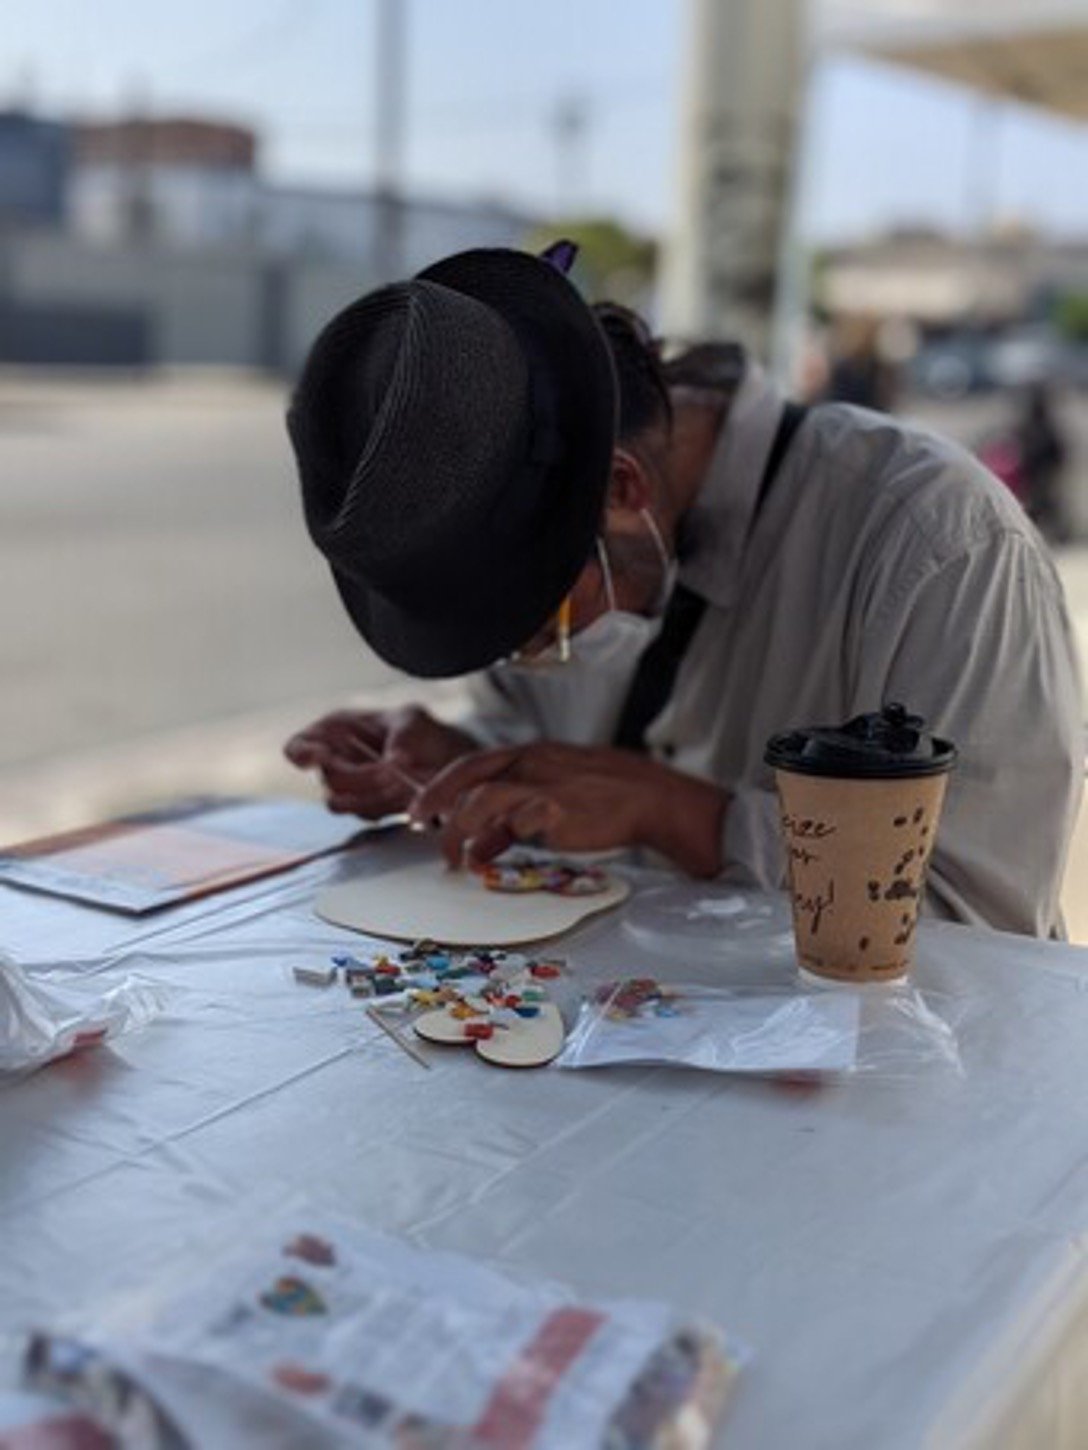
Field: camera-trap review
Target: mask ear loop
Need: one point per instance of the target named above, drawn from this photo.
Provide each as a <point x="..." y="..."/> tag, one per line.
<point x="657" y="536"/>
<point x="668" y="564"/>
<point x="606" y="574"/>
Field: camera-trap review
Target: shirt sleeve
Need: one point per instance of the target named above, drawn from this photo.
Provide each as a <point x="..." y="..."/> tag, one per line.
<point x="979" y="644"/>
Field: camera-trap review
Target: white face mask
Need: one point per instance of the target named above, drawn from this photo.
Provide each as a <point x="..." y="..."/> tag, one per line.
<point x="615" y="637"/>
<point x="620" y="633"/>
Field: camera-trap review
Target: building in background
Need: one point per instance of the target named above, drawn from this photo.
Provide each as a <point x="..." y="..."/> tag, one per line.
<point x="179" y="180"/>
<point x="166" y="246"/>
<point x="35" y="167"/>
<point x="939" y="282"/>
<point x="191" y="183"/>
<point x="957" y="315"/>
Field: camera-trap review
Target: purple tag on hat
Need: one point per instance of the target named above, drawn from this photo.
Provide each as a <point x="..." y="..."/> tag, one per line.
<point x="561" y="255"/>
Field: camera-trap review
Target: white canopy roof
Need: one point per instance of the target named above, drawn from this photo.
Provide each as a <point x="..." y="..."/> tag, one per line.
<point x="1028" y="50"/>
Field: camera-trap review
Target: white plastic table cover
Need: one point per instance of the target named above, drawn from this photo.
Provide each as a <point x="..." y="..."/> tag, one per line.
<point x="906" y="1259"/>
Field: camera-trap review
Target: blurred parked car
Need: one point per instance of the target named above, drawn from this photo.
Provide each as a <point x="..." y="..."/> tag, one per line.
<point x="952" y="367"/>
<point x="1074" y="364"/>
<point x="964" y="363"/>
<point x="1026" y="357"/>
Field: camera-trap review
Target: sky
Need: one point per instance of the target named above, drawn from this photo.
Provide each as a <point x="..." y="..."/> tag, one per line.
<point x="485" y="81"/>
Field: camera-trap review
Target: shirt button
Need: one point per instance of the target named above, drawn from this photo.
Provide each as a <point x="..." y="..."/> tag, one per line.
<point x="668" y="750"/>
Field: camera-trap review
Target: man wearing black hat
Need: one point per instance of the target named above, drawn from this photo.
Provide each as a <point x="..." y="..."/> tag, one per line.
<point x="504" y="479"/>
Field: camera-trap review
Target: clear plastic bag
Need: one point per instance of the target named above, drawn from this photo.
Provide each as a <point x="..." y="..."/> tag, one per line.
<point x="889" y="1031"/>
<point x="41" y="1020"/>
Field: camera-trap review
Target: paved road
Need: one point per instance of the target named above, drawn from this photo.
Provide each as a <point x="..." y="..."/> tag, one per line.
<point x="154" y="569"/>
<point x="165" y="619"/>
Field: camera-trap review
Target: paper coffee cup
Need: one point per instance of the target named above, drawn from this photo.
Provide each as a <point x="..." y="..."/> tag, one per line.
<point x="860" y="806"/>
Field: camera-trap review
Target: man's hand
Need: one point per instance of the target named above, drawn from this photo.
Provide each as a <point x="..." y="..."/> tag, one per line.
<point x="367" y="759"/>
<point x="573" y="798"/>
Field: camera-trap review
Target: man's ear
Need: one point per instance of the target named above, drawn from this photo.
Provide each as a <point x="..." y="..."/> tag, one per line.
<point x="630" y="486"/>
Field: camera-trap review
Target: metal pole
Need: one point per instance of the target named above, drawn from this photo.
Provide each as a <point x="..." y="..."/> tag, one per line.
<point x="982" y="178"/>
<point x="570" y="124"/>
<point x="982" y="181"/>
<point x="389" y="93"/>
<point x="789" y="316"/>
<point x="745" y="78"/>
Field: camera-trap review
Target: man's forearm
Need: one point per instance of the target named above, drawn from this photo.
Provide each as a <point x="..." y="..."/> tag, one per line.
<point x="684" y="820"/>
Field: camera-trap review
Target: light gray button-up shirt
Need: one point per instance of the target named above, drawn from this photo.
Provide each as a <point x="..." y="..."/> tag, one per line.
<point x="885" y="565"/>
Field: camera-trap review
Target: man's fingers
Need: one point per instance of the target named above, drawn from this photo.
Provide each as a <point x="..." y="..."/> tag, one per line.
<point x="373" y="808"/>
<point x="305" y="752"/>
<point x="312" y="746"/>
<point x="366" y="789"/>
<point x="475" y="812"/>
<point x="409" y="733"/>
<point x="545" y="764"/>
<point x="537" y="818"/>
<point x="347" y="806"/>
<point x="410" y="754"/>
<point x="492" y="817"/>
<point x="363" y="774"/>
<point x="444" y="793"/>
<point x="488" y="843"/>
<point x="344" y="733"/>
<point x="533" y="819"/>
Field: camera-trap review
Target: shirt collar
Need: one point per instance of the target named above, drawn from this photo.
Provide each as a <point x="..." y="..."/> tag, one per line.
<point x="715" y="529"/>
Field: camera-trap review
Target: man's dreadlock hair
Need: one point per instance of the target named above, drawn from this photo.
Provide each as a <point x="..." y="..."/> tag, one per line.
<point x="645" y="376"/>
<point x="708" y="367"/>
<point x="644" y="392"/>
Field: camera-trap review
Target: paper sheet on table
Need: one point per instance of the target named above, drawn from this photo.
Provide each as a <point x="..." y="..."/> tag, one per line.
<point x="186" y="850"/>
<point x="390" y="1345"/>
<point x="723" y="1032"/>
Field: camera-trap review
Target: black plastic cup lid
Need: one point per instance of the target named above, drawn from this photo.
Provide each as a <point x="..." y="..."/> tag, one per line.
<point x="886" y="746"/>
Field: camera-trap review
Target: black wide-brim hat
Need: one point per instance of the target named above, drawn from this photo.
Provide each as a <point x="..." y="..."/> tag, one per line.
<point x="454" y="436"/>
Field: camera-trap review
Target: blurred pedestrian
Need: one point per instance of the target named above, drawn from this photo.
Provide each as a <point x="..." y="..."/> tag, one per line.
<point x="1042" y="454"/>
<point x="859" y="372"/>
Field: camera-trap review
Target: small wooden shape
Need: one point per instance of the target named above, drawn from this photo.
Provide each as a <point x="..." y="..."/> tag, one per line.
<point x="441" y="1026"/>
<point x="528" y="1042"/>
<point x="534" y="1042"/>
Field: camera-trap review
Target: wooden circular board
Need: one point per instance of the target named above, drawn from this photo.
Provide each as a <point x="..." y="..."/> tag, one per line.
<point x="455" y="908"/>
